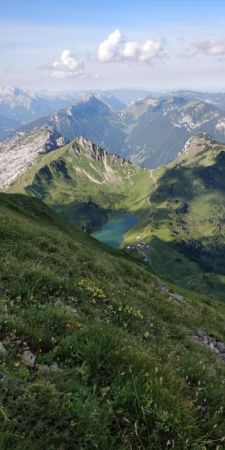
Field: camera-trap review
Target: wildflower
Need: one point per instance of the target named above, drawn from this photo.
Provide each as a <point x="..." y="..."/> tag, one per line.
<point x="17" y="364"/>
<point x="146" y="334"/>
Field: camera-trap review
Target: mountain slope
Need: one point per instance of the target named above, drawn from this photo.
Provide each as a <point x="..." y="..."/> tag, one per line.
<point x="186" y="217"/>
<point x="85" y="183"/>
<point x="18" y="153"/>
<point x="95" y="351"/>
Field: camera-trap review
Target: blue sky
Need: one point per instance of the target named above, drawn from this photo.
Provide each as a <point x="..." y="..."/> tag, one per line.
<point x="123" y="12"/>
<point x="159" y="44"/>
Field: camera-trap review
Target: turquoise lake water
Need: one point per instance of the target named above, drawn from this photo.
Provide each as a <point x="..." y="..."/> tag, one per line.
<point x="113" y="231"/>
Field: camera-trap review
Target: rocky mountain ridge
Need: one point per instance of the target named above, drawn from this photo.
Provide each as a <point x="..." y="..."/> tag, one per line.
<point x="20" y="152"/>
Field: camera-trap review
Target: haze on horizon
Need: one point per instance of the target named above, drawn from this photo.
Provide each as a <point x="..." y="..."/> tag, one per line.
<point x="157" y="45"/>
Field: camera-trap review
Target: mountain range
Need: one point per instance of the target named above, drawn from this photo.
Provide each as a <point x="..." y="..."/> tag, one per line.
<point x="149" y="132"/>
<point x="19" y="107"/>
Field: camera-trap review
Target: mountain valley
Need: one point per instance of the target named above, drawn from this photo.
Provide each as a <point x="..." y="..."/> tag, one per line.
<point x="178" y="209"/>
<point x="119" y="347"/>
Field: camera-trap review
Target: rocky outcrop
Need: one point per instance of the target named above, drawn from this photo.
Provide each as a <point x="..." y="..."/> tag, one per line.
<point x="20" y="152"/>
<point x="92" y="151"/>
<point x="212" y="343"/>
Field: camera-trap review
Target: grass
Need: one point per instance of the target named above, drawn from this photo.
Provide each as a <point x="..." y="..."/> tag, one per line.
<point x="129" y="374"/>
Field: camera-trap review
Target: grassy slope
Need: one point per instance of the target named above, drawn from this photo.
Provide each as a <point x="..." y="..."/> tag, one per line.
<point x="130" y="375"/>
<point x="185" y="223"/>
<point x="80" y="188"/>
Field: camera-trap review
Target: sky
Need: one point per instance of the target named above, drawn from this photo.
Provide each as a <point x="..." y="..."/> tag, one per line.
<point x="96" y="44"/>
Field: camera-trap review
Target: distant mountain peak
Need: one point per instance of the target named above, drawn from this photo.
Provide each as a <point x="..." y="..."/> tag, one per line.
<point x="15" y="91"/>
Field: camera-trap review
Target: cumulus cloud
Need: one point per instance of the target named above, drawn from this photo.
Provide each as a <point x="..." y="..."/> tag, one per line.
<point x="110" y="48"/>
<point x="211" y="48"/>
<point x="68" y="66"/>
<point x="116" y="49"/>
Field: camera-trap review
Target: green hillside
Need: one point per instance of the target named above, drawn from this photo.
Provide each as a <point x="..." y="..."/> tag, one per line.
<point x="95" y="351"/>
<point x="186" y="220"/>
<point x="85" y="184"/>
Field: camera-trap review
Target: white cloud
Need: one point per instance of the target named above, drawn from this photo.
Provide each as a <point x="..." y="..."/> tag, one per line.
<point x="68" y="66"/>
<point x="115" y="48"/>
<point x="211" y="48"/>
<point x="109" y="49"/>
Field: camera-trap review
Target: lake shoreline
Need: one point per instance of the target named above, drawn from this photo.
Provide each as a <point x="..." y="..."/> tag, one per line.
<point x="113" y="231"/>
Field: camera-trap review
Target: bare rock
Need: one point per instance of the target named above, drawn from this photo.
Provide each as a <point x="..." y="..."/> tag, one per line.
<point x="221" y="347"/>
<point x="28" y="358"/>
<point x="205" y="339"/>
